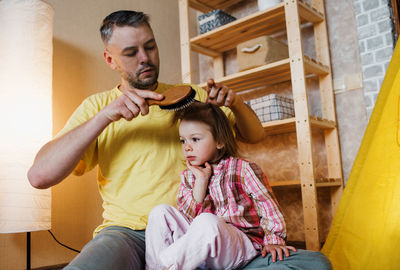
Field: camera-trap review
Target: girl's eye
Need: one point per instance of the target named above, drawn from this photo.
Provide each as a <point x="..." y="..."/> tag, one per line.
<point x="182" y="141"/>
<point x="195" y="139"/>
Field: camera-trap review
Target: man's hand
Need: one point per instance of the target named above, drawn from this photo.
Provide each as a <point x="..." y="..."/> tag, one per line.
<point x="277" y="249"/>
<point x="130" y="104"/>
<point x="219" y="95"/>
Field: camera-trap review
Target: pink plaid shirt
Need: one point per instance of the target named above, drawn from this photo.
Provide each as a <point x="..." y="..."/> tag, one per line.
<point x="238" y="191"/>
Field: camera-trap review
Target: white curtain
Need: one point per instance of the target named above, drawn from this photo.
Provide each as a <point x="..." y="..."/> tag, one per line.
<point x="25" y="111"/>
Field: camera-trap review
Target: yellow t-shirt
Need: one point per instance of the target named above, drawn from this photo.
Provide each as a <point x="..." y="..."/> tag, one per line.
<point x="139" y="161"/>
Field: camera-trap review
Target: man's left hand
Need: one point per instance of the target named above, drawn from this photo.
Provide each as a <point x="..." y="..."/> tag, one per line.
<point x="219" y="95"/>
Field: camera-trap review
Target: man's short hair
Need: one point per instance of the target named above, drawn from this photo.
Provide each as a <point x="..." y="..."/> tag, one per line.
<point x="122" y="18"/>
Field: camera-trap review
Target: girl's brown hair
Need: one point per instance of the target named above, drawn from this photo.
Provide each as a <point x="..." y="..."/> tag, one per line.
<point x="215" y="118"/>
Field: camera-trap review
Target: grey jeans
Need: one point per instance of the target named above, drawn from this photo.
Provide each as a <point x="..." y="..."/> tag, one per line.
<point x="120" y="248"/>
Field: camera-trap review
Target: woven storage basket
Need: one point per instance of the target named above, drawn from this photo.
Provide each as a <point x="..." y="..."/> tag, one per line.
<point x="272" y="107"/>
<point x="213" y="19"/>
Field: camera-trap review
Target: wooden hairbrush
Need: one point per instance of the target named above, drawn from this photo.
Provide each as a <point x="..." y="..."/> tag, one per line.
<point x="175" y="98"/>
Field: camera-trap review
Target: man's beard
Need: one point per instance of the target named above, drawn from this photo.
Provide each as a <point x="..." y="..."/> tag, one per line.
<point x="137" y="83"/>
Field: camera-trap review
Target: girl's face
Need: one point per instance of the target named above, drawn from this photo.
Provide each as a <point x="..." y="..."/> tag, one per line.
<point x="198" y="143"/>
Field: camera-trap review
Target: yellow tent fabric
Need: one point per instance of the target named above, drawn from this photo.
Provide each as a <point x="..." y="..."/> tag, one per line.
<point x="365" y="232"/>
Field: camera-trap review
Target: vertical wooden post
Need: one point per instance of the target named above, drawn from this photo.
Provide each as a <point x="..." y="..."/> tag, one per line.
<point x="303" y="128"/>
<point x="186" y="63"/>
<point x="328" y="105"/>
<point x="219" y="71"/>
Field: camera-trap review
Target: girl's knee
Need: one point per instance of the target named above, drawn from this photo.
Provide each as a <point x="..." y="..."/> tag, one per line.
<point x="208" y="223"/>
<point x="160" y="210"/>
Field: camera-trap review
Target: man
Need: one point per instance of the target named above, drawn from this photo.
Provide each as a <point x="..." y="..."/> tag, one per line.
<point x="136" y="148"/>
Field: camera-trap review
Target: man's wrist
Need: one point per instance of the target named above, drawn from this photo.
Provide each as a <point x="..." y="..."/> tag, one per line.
<point x="237" y="103"/>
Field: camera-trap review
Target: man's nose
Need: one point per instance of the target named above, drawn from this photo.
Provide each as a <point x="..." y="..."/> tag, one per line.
<point x="143" y="56"/>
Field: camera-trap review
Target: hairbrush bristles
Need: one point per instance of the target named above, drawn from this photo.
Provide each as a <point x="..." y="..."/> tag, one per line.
<point x="180" y="104"/>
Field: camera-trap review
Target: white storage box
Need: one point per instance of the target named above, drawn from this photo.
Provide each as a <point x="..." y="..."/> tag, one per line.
<point x="260" y="51"/>
<point x="272" y="107"/>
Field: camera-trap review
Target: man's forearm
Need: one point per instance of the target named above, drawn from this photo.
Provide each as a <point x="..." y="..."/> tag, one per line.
<point x="247" y="123"/>
<point x="57" y="159"/>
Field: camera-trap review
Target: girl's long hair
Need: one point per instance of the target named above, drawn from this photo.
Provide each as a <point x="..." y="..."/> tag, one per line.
<point x="216" y="120"/>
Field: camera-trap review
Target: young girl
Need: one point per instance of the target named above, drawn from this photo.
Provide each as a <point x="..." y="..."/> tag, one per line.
<point x="227" y="211"/>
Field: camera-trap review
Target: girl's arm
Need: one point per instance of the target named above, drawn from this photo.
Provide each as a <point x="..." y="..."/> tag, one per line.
<point x="248" y="126"/>
<point x="271" y="218"/>
<point x="187" y="202"/>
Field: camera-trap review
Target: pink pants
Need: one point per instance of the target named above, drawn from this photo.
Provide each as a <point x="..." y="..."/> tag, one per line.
<point x="172" y="242"/>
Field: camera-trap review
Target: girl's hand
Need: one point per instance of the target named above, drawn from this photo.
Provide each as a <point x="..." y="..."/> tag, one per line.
<point x="202" y="175"/>
<point x="277" y="249"/>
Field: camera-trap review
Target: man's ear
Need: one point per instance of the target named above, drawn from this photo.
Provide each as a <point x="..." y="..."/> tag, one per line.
<point x="109" y="59"/>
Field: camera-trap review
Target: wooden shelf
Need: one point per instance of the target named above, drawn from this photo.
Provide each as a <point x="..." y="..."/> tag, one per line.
<point x="266" y="22"/>
<point x="289" y="125"/>
<point x="322" y="182"/>
<point x="286" y="19"/>
<point x="269" y="74"/>
<point x="208" y="5"/>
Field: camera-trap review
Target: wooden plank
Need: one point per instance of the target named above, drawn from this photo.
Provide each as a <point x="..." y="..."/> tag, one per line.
<point x="251" y="33"/>
<point x="308" y="13"/>
<point x="328" y="105"/>
<point x="203" y="7"/>
<point x="280" y="126"/>
<point x="285" y="183"/>
<point x="241" y="27"/>
<point x="205" y="51"/>
<point x="219" y="70"/>
<point x="314" y="67"/>
<point x="255" y="72"/>
<point x="272" y="73"/>
<point x="266" y="22"/>
<point x="288" y="125"/>
<point x="320" y="183"/>
<point x="186" y="63"/>
<point x="322" y="123"/>
<point x="303" y="126"/>
<point x="206" y="6"/>
<point x="227" y="4"/>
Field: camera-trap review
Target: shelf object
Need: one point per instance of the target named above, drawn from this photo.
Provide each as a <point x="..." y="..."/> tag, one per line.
<point x="285" y="18"/>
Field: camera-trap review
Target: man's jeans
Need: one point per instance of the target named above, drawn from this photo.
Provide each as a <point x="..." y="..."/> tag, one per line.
<point x="120" y="248"/>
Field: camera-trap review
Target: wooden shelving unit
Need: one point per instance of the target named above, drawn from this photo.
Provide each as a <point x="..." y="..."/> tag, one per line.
<point x="284" y="18"/>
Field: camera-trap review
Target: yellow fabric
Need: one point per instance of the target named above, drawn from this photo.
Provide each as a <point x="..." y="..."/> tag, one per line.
<point x="365" y="232"/>
<point x="139" y="160"/>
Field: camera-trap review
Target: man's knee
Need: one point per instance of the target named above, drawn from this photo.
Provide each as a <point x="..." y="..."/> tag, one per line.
<point x="112" y="247"/>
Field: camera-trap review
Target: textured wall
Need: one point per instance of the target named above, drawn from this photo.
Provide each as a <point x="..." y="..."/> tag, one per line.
<point x="376" y="40"/>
